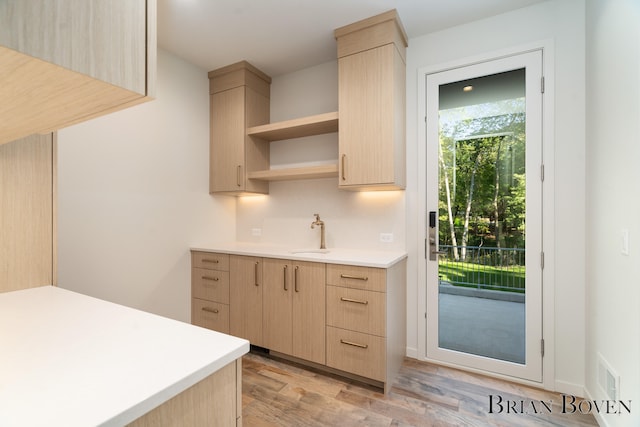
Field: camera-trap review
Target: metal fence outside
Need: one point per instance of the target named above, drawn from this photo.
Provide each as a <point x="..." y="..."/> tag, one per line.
<point x="482" y="267"/>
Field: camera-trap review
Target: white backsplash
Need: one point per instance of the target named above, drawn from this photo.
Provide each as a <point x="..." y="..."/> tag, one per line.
<point x="352" y="219"/>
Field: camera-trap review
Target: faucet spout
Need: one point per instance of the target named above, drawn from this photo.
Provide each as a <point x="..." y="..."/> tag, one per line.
<point x="319" y="223"/>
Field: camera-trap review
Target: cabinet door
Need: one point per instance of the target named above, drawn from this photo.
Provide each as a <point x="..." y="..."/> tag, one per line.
<point x="83" y="59"/>
<point x="245" y="298"/>
<point x="26" y="213"/>
<point x="227" y="120"/>
<point x="105" y="40"/>
<point x="309" y="311"/>
<point x="371" y="113"/>
<point x="277" y="305"/>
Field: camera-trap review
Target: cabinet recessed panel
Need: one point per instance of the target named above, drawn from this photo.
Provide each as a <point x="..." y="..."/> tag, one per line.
<point x="370" y="85"/>
<point x="227" y="140"/>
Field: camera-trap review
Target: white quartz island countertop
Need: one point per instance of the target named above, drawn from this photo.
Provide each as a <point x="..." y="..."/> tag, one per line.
<point x="67" y="359"/>
<point x="359" y="257"/>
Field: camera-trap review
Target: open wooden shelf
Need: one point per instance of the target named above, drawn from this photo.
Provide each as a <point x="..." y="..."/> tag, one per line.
<point x="297" y="128"/>
<point x="310" y="172"/>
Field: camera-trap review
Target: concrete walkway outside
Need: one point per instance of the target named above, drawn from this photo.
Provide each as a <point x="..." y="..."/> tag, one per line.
<point x="482" y="326"/>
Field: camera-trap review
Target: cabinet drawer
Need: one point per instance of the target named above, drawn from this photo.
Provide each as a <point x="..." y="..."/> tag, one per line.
<point x="211" y="285"/>
<point x="356" y="310"/>
<point x="210" y="261"/>
<point x="210" y="315"/>
<point x="357" y="353"/>
<point x="348" y="276"/>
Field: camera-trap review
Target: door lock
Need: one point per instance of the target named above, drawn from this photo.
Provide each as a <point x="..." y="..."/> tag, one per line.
<point x="433" y="241"/>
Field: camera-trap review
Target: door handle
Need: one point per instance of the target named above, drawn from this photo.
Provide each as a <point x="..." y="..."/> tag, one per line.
<point x="433" y="238"/>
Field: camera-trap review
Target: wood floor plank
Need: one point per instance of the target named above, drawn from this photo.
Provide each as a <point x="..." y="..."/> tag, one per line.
<point x="279" y="393"/>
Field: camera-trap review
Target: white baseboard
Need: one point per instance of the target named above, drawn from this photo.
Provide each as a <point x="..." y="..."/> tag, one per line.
<point x="570" y="388"/>
<point x="602" y="422"/>
<point x="412" y="352"/>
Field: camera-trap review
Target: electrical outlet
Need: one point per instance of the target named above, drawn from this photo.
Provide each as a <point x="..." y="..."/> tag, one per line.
<point x="386" y="237"/>
<point x="256" y="231"/>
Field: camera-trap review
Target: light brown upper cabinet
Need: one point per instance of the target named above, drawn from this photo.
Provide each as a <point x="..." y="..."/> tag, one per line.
<point x="239" y="99"/>
<point x="371" y="87"/>
<point x="27" y="213"/>
<point x="66" y="61"/>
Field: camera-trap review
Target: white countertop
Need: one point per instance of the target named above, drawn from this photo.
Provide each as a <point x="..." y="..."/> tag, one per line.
<point x="67" y="359"/>
<point x="364" y="258"/>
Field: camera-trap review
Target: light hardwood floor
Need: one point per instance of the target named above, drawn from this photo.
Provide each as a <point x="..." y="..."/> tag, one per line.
<point x="277" y="393"/>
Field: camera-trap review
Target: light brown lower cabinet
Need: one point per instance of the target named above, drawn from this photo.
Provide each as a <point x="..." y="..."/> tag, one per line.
<point x="214" y="401"/>
<point x="360" y="354"/>
<point x="293" y="308"/>
<point x="366" y="320"/>
<point x="347" y="319"/>
<point x="245" y="298"/>
<point x="210" y="291"/>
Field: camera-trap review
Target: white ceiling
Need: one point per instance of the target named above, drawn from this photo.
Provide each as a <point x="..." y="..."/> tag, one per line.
<point x="281" y="36"/>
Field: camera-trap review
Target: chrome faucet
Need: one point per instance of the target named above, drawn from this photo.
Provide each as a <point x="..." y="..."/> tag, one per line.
<point x="319" y="222"/>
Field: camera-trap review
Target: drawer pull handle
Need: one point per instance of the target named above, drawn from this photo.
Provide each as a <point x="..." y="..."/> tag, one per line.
<point x="255" y="273"/>
<point x="212" y="261"/>
<point x="355" y="344"/>
<point x="348" y="276"/>
<point x="210" y="310"/>
<point x="357" y="301"/>
<point x="284" y="279"/>
<point x="214" y="279"/>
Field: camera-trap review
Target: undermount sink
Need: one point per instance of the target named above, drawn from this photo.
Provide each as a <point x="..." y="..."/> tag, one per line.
<point x="311" y="251"/>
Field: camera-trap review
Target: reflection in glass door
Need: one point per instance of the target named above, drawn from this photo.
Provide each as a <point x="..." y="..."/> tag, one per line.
<point x="484" y="225"/>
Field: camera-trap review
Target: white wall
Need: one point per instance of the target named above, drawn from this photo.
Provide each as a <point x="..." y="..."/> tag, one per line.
<point x="133" y="190"/>
<point x="560" y="23"/>
<point x="353" y="220"/>
<point x="133" y="197"/>
<point x="613" y="153"/>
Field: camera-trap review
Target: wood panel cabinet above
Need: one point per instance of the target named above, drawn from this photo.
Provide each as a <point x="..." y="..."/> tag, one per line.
<point x="239" y="99"/>
<point x="66" y="61"/>
<point x="370" y="121"/>
<point x="371" y="88"/>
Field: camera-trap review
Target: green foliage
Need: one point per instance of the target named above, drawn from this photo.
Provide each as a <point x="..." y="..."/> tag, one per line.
<point x="486" y="155"/>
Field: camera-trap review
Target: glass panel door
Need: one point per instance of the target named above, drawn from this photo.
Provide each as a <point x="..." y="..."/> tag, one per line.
<point x="484" y="226"/>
